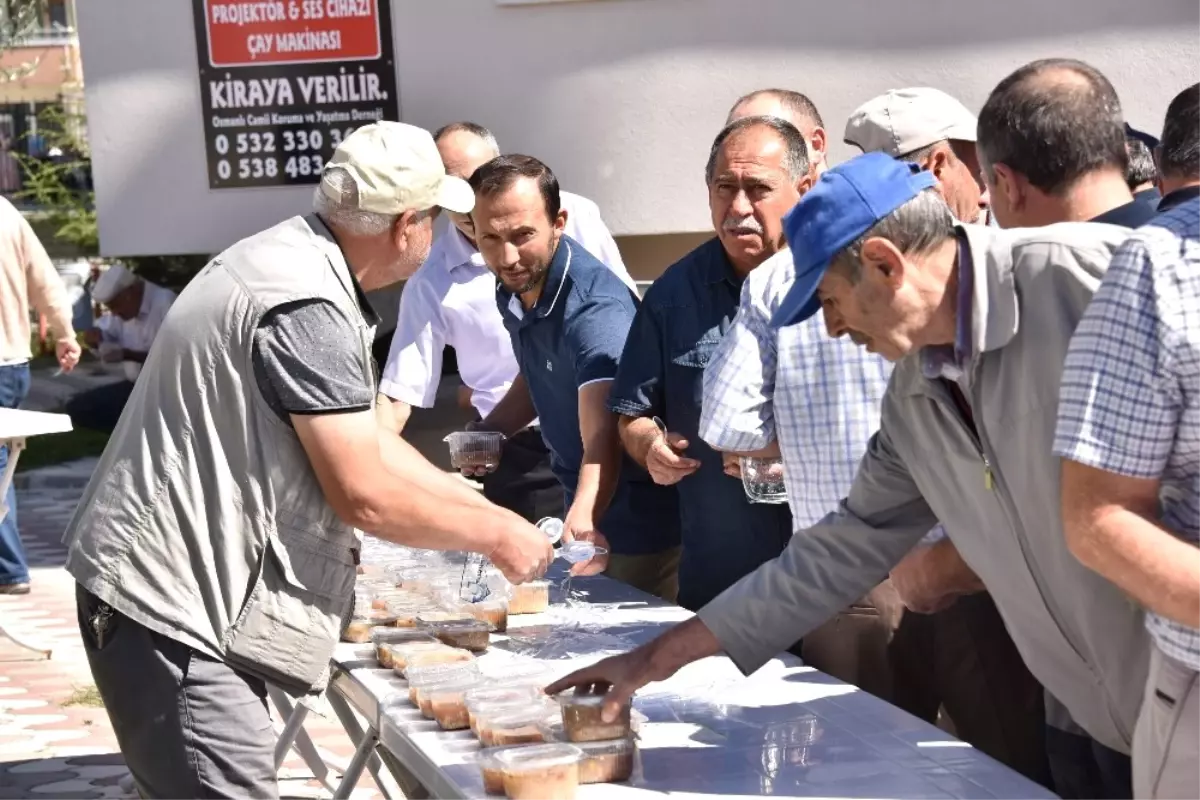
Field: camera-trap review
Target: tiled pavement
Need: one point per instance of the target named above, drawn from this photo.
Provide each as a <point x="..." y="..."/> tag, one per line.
<point x="54" y="742"/>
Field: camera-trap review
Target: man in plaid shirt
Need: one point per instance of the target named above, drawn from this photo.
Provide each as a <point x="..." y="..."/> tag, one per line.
<point x="1129" y="435"/>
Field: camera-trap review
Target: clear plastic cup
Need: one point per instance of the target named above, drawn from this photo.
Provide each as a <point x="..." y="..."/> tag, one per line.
<point x="475" y="449"/>
<point x="546" y="772"/>
<point x="582" y="721"/>
<point x="577" y="552"/>
<point x="491" y="770"/>
<point x="529" y="598"/>
<point x="762" y="478"/>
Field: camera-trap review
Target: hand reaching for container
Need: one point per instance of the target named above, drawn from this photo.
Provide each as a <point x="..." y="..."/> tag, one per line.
<point x="523" y="552"/>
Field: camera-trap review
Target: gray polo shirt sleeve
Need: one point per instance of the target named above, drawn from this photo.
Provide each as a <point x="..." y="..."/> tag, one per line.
<point x="308" y="359"/>
<point x="826" y="567"/>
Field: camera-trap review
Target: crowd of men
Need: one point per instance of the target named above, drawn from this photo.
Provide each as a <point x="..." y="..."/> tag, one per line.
<point x="975" y="348"/>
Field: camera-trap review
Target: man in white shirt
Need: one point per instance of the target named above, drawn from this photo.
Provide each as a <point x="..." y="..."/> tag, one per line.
<point x="137" y="309"/>
<point x="451" y="300"/>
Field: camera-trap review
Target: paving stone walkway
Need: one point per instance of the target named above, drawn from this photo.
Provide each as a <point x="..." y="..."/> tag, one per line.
<point x="55" y="739"/>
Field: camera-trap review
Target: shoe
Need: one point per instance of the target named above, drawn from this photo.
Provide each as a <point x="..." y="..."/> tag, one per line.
<point x="14" y="588"/>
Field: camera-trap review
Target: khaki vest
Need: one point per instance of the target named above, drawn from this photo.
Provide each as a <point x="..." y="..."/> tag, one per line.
<point x="204" y="520"/>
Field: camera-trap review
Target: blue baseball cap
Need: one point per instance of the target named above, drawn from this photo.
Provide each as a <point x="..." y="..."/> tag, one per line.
<point x="842" y="206"/>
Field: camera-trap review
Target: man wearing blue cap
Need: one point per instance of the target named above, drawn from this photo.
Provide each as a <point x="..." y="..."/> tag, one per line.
<point x="978" y="322"/>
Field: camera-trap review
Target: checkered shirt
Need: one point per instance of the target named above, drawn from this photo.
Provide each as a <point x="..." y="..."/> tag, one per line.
<point x="1130" y="398"/>
<point x="820" y="396"/>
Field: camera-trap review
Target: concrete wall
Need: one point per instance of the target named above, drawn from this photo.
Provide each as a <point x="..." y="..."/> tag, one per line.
<point x="620" y="97"/>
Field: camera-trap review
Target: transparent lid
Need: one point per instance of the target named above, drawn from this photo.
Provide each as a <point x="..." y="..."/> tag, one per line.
<point x="443" y="657"/>
<point x="489" y="758"/>
<point x="439" y="618"/>
<point x="530" y="716"/>
<point x="539" y="757"/>
<point x="587" y="696"/>
<point x="397" y="636"/>
<point x="465" y="625"/>
<point x="474" y="437"/>
<point x="451" y="689"/>
<point x="419" y="646"/>
<point x="428" y="674"/>
<point x="611" y="747"/>
<point x="492" y="695"/>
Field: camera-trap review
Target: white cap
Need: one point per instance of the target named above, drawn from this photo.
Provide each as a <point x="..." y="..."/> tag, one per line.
<point x="904" y="120"/>
<point x="397" y="168"/>
<point x="111" y="283"/>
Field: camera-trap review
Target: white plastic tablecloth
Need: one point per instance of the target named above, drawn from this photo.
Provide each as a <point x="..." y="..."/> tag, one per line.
<point x="786" y="730"/>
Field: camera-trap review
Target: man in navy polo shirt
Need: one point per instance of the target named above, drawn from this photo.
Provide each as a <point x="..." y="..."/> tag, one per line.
<point x="568" y="316"/>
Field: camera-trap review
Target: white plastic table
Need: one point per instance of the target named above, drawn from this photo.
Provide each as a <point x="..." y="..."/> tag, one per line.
<point x="786" y="730"/>
<point x="15" y="427"/>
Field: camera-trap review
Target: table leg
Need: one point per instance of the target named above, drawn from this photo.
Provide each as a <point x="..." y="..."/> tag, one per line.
<point x="294" y="734"/>
<point x="362" y="753"/>
<point x="15" y="446"/>
<point x="395" y="782"/>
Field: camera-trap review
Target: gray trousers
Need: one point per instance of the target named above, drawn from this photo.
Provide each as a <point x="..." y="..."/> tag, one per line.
<point x="188" y="725"/>
<point x="1167" y="735"/>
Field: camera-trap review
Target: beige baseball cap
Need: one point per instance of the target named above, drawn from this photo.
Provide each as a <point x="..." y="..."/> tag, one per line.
<point x="904" y="120"/>
<point x="397" y="168"/>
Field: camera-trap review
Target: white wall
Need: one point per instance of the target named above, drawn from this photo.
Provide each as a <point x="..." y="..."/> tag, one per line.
<point x="620" y="97"/>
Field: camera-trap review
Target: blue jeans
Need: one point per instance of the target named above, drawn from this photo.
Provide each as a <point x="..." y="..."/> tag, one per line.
<point x="14" y="385"/>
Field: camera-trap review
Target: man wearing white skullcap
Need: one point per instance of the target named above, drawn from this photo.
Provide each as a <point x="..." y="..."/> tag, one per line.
<point x="138" y="308"/>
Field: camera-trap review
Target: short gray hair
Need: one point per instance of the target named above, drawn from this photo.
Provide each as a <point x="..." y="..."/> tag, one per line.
<point x="473" y="128"/>
<point x="921" y="153"/>
<point x="795" y="159"/>
<point x="918" y="226"/>
<point x="336" y="202"/>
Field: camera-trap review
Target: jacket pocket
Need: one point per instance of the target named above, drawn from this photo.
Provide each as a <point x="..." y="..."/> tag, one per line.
<point x="294" y="614"/>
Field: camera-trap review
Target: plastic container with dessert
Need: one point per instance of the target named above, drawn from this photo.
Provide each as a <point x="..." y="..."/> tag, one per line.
<point x="448" y="703"/>
<point x="546" y="772"/>
<point x="402" y="654"/>
<point x="385" y="639"/>
<point x="490" y="700"/>
<point x="609" y="761"/>
<point x="421" y="677"/>
<point x="358" y="629"/>
<point x="506" y="727"/>
<point x="493" y="610"/>
<point x="475" y="449"/>
<point x="490" y="769"/>
<point x="529" y="598"/>
<point x="468" y="634"/>
<point x="581" y="718"/>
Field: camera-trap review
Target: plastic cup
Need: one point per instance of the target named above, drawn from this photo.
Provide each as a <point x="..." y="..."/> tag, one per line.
<point x="762" y="479"/>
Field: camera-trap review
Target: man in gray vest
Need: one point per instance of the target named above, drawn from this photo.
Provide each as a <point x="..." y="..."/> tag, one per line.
<point x="215" y="546"/>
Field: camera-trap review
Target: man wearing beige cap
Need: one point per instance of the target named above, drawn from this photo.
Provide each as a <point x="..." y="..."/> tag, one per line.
<point x="215" y="546"/>
<point x="930" y="128"/>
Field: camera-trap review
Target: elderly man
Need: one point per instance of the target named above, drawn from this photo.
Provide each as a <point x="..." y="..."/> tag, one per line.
<point x="964" y="438"/>
<point x="962" y="657"/>
<point x="757" y="169"/>
<point x="215" y="546"/>
<point x="794" y="107"/>
<point x="1129" y="436"/>
<point x="568" y="316"/>
<point x="137" y="309"/>
<point x="451" y="300"/>
<point x="1052" y="148"/>
<point x="29" y="279"/>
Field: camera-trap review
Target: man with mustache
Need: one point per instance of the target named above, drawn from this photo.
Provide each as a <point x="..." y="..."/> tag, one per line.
<point x="568" y="316"/>
<point x="757" y="169"/>
<point x="965" y="435"/>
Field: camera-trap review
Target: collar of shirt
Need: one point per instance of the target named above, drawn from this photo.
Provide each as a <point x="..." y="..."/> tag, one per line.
<point x="1178" y="197"/>
<point x="1133" y="214"/>
<point x="720" y="269"/>
<point x="149" y="292"/>
<point x="370" y="316"/>
<point x="457" y="251"/>
<point x="556" y="277"/>
<point x="946" y="361"/>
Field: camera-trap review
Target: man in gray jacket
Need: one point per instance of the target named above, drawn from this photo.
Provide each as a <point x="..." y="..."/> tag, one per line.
<point x="215" y="546"/>
<point x="978" y="321"/>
